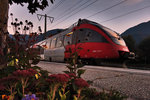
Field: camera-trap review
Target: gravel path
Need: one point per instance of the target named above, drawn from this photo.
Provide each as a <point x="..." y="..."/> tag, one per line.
<point x="133" y="83"/>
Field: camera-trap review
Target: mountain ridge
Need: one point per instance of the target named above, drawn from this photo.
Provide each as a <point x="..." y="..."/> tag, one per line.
<point x="138" y="32"/>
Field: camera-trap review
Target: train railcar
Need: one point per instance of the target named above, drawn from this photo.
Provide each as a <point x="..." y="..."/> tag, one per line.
<point x="96" y="41"/>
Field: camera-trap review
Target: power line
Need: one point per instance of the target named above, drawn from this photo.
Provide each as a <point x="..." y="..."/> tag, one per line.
<point x="63" y="13"/>
<point x="126" y="14"/>
<point x="76" y="12"/>
<point x="56" y="6"/>
<point x="107" y="8"/>
<point x="45" y="16"/>
<point x="72" y="10"/>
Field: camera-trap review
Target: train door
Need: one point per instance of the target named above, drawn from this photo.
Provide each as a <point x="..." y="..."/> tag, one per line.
<point x="51" y="51"/>
<point x="69" y="47"/>
<point x="47" y="49"/>
<point x="41" y="47"/>
<point x="59" y="49"/>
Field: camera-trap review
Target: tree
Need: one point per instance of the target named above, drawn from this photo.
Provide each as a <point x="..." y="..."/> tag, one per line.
<point x="130" y="42"/>
<point x="144" y="49"/>
<point x="33" y="6"/>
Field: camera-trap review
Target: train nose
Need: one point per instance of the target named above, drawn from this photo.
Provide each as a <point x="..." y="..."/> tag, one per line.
<point x="131" y="55"/>
<point x="127" y="55"/>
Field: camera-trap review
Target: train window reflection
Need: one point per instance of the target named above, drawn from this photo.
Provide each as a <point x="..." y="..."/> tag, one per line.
<point x="116" y="38"/>
<point x="53" y="43"/>
<point x="79" y="36"/>
<point x="59" y="42"/>
<point x="94" y="36"/>
<point x="111" y="32"/>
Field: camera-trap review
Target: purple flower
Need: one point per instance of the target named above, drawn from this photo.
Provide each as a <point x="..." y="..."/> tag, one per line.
<point x="30" y="97"/>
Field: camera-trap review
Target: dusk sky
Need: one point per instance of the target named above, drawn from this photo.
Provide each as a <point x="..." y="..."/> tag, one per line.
<point x="114" y="14"/>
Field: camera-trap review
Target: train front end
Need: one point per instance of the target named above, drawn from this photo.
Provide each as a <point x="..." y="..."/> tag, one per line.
<point x="118" y="44"/>
<point x="99" y="42"/>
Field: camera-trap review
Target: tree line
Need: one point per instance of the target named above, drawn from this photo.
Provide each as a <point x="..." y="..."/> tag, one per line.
<point x="142" y="49"/>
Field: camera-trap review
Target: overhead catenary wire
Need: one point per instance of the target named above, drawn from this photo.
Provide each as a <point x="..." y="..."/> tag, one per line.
<point x="64" y="13"/>
<point x="75" y="13"/>
<point x="107" y="8"/>
<point x="54" y="7"/>
<point x="72" y="10"/>
<point x="125" y="14"/>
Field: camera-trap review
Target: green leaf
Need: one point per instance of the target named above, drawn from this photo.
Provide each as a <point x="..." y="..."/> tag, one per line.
<point x="80" y="72"/>
<point x="11" y="63"/>
<point x="60" y="94"/>
<point x="20" y="94"/>
<point x="80" y="65"/>
<point x="66" y="92"/>
<point x="75" y="98"/>
<point x="74" y="87"/>
<point x="66" y="72"/>
<point x="49" y="97"/>
<point x="36" y="67"/>
<point x="69" y="66"/>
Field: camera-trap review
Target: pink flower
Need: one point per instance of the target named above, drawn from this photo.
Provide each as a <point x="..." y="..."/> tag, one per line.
<point x="81" y="83"/>
<point x="58" y="78"/>
<point x="25" y="73"/>
<point x="72" y="74"/>
<point x="32" y="71"/>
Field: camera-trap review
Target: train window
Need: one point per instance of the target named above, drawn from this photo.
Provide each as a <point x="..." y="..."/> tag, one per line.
<point x="78" y="36"/>
<point x="48" y="43"/>
<point x="53" y="43"/>
<point x="59" y="41"/>
<point x="93" y="36"/>
<point x="68" y="39"/>
<point x="115" y="37"/>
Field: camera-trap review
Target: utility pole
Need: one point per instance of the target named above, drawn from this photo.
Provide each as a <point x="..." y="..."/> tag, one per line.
<point x="39" y="16"/>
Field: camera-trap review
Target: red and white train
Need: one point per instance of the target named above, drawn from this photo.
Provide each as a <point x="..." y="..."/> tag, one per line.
<point x="97" y="42"/>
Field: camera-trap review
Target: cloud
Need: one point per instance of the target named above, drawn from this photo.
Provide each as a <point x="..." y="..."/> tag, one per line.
<point x="133" y="2"/>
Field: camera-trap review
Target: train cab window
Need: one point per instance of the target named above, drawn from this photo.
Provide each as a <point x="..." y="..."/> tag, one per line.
<point x="59" y="41"/>
<point x="79" y="35"/>
<point x="68" y="39"/>
<point x="115" y="37"/>
<point x="53" y="43"/>
<point x="94" y="36"/>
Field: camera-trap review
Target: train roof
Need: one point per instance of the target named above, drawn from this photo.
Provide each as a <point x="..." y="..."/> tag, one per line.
<point x="82" y="21"/>
<point x="96" y="24"/>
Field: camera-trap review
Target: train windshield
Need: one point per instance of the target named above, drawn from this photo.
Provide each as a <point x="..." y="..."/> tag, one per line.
<point x="114" y="36"/>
